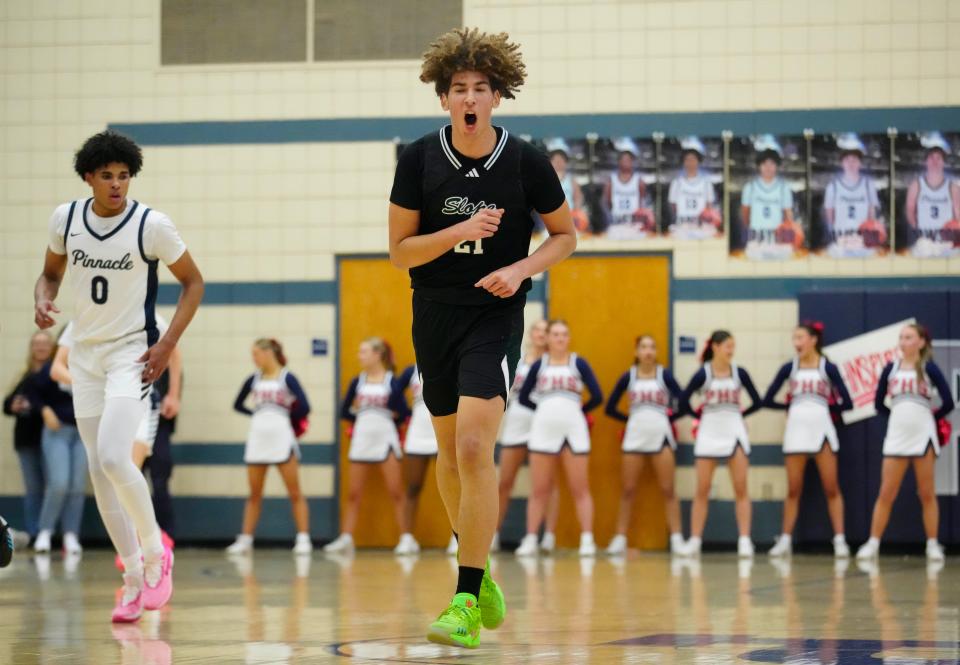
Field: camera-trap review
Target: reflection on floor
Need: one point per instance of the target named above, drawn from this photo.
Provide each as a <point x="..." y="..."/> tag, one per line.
<point x="644" y="608"/>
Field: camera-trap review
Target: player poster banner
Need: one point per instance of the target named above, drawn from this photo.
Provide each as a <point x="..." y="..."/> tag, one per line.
<point x="928" y="195"/>
<point x="768" y="203"/>
<point x="861" y="360"/>
<point x="850" y="195"/>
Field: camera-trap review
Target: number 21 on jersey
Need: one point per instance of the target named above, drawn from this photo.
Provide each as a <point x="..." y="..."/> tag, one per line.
<point x="469" y="247"/>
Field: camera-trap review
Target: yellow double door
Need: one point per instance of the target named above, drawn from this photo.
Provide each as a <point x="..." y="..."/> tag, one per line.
<point x="607" y="300"/>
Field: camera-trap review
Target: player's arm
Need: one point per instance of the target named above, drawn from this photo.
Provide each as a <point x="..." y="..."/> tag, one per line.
<point x="239" y="404"/>
<point x="59" y="370"/>
<point x="839" y="387"/>
<point x="47" y="288"/>
<point x="913" y="194"/>
<point x="955" y="198"/>
<point x="787" y="203"/>
<point x="608" y="193"/>
<point x="170" y="406"/>
<point x="409" y="250"/>
<point x="188" y="274"/>
<point x="558" y="246"/>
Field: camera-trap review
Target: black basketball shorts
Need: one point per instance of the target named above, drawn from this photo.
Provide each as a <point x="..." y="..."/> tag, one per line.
<point x="466" y="351"/>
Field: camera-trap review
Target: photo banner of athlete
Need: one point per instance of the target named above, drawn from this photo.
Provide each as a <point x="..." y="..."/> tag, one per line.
<point x="843" y="195"/>
<point x="861" y="360"/>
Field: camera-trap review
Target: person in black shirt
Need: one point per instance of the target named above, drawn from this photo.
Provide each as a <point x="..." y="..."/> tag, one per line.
<point x="28" y="429"/>
<point x="460" y="221"/>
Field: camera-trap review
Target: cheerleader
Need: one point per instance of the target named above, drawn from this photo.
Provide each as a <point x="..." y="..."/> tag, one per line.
<point x="648" y="436"/>
<point x="722" y="435"/>
<point x="278" y="403"/>
<point x="912" y="435"/>
<point x="559" y="431"/>
<point x="815" y="389"/>
<point x="419" y="447"/>
<point x="374" y="403"/>
<point x="514" y="434"/>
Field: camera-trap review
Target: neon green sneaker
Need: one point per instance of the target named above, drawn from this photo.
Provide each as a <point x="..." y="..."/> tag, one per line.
<point x="493" y="607"/>
<point x="459" y="624"/>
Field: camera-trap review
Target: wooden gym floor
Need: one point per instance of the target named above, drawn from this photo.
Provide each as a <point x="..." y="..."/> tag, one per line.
<point x="273" y="608"/>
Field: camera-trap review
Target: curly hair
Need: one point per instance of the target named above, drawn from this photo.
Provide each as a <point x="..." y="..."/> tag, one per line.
<point x="468" y="49"/>
<point x="106" y="148"/>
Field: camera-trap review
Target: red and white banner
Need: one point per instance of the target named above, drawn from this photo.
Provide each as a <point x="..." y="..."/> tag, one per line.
<point x="861" y="360"/>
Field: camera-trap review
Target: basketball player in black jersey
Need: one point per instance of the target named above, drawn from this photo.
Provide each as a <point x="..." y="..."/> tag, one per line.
<point x="460" y="221"/>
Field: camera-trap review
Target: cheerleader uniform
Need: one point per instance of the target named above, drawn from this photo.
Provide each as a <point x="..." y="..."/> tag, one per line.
<point x="518" y="418"/>
<point x="912" y="426"/>
<point x="648" y="425"/>
<point x="420" y="439"/>
<point x="812" y="394"/>
<point x="277" y="403"/>
<point x="372" y="407"/>
<point x="722" y="427"/>
<point x="557" y="389"/>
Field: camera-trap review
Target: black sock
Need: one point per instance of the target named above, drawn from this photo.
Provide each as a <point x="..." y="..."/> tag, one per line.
<point x="469" y="580"/>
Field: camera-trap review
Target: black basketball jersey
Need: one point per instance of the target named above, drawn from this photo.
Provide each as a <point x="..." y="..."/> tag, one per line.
<point x="454" y="189"/>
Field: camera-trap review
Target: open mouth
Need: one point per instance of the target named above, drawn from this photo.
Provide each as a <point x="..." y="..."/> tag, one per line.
<point x="470" y="119"/>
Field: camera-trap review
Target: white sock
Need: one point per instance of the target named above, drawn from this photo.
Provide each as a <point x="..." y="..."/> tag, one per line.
<point x="133" y="565"/>
<point x="932" y="541"/>
<point x="301" y="535"/>
<point x="245" y="538"/>
<point x="695" y="541"/>
<point x="839" y="538"/>
<point x="586" y="537"/>
<point x="785" y="537"/>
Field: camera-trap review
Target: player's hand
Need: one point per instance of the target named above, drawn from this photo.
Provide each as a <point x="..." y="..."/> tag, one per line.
<point x="502" y="283"/>
<point x="41" y="314"/>
<point x="482" y="225"/>
<point x="155" y="360"/>
<point x="170" y="407"/>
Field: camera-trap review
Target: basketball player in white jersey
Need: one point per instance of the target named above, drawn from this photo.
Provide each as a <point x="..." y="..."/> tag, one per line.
<point x="851" y="204"/>
<point x="766" y="206"/>
<point x="691" y="196"/>
<point x="625" y="195"/>
<point x="933" y="202"/>
<point x="110" y="247"/>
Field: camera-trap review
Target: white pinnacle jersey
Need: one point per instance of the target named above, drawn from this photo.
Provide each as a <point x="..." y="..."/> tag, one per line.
<point x="851" y="204"/>
<point x="624" y="197"/>
<point x="934" y="207"/>
<point x="113" y="280"/>
<point x="691" y="196"/>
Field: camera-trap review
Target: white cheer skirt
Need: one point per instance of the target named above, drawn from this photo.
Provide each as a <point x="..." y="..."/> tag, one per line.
<point x="421" y="439"/>
<point x="910" y="430"/>
<point x="556" y="421"/>
<point x="648" y="430"/>
<point x="719" y="434"/>
<point x="808" y="425"/>
<point x="271" y="439"/>
<point x="516" y="425"/>
<point x="374" y="437"/>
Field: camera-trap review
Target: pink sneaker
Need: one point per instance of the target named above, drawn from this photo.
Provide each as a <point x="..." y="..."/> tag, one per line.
<point x="156" y="596"/>
<point x="130" y="611"/>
